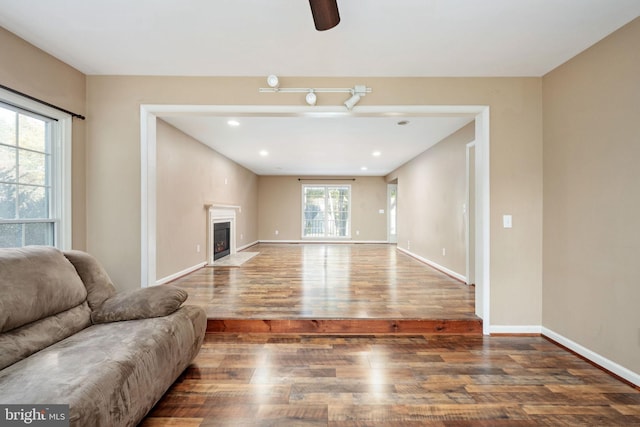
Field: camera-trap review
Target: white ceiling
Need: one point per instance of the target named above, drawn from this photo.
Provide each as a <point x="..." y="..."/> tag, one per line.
<point x="322" y="144"/>
<point x="260" y="37"/>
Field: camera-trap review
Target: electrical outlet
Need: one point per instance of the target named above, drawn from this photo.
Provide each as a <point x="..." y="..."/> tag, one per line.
<point x="198" y="248"/>
<point x="277" y="232"/>
<point x="408" y="244"/>
<point x="444" y="252"/>
<point x="357" y="232"/>
<point x="241" y="236"/>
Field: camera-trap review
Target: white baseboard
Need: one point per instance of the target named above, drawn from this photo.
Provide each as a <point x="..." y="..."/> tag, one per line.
<point x="179" y="274"/>
<point x="325" y="241"/>
<point x="435" y="265"/>
<point x="515" y="329"/>
<point x="241" y="248"/>
<point x="599" y="360"/>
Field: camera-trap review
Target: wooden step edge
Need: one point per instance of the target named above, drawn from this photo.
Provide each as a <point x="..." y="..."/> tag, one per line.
<point x="347" y="326"/>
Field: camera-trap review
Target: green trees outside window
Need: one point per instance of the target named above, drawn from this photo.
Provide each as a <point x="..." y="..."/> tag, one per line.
<point x="326" y="211"/>
<point x="25" y="179"/>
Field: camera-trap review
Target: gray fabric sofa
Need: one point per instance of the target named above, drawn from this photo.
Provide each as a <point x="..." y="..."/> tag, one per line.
<point x="67" y="337"/>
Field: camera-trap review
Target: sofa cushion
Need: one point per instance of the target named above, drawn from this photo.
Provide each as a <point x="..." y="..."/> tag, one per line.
<point x="95" y="278"/>
<point x="36" y="282"/>
<point x="110" y="374"/>
<point x="140" y="304"/>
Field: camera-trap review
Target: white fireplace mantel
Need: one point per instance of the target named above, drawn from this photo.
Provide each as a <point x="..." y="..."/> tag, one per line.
<point x="214" y="205"/>
<point x="220" y="213"/>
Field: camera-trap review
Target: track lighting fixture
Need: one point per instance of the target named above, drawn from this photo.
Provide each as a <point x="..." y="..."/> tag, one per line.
<point x="357" y="92"/>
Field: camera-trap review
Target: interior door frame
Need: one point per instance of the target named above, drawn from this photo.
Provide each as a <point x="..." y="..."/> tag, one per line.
<point x="469" y="210"/>
<point x="392" y="238"/>
<point x="150" y="112"/>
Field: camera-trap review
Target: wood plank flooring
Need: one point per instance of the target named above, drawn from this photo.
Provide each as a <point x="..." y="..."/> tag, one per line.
<point x="388" y="380"/>
<point x="332" y="288"/>
<point x="363" y="335"/>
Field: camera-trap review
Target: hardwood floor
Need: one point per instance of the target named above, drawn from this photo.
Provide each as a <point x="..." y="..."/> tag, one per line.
<point x="339" y="288"/>
<point x="409" y="365"/>
<point x="389" y="380"/>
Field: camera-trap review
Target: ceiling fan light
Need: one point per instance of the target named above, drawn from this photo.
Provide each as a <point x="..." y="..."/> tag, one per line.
<point x="325" y="14"/>
<point x="273" y="81"/>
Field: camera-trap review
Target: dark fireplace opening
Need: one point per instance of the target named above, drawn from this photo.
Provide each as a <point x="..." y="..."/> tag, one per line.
<point x="221" y="239"/>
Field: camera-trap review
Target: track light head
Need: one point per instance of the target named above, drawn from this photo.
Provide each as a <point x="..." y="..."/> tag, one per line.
<point x="351" y="102"/>
<point x="311" y="98"/>
<point x="357" y="93"/>
<point x="273" y="81"/>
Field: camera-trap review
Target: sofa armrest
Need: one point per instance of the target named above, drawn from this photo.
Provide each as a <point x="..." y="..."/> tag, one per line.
<point x="142" y="303"/>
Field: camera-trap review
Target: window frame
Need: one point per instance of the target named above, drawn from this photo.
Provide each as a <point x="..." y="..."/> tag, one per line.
<point x="302" y="212"/>
<point x="60" y="203"/>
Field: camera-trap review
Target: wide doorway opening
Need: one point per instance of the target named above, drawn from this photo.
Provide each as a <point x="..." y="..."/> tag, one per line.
<point x="150" y="113"/>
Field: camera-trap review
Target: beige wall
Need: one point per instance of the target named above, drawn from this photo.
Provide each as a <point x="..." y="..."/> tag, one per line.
<point x="281" y="200"/>
<point x="113" y="164"/>
<point x="591" y="198"/>
<point x="29" y="70"/>
<point x="431" y="194"/>
<point x="190" y="174"/>
<point x="113" y="157"/>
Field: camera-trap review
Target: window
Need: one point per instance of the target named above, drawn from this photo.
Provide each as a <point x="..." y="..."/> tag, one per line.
<point x="326" y="211"/>
<point x="34" y="187"/>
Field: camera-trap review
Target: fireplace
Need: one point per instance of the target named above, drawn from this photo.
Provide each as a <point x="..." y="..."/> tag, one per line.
<point x="221" y="239"/>
<point x="218" y="215"/>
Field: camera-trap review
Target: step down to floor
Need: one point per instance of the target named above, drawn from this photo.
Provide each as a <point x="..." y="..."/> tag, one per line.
<point x="347" y="326"/>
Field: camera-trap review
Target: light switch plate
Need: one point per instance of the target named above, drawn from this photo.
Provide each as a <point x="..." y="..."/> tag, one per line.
<point x="507" y="221"/>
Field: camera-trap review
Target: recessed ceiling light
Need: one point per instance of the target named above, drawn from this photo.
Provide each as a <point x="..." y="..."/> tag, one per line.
<point x="403" y="122"/>
<point x="233" y="123"/>
<point x="264" y="153"/>
<point x="364" y="168"/>
<point x="376" y="154"/>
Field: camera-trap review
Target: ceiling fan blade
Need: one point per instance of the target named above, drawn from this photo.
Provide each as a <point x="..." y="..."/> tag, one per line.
<point x="325" y="14"/>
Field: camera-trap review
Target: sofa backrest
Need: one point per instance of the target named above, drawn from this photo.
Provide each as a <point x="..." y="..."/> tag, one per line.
<point x="96" y="280"/>
<point x="42" y="301"/>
